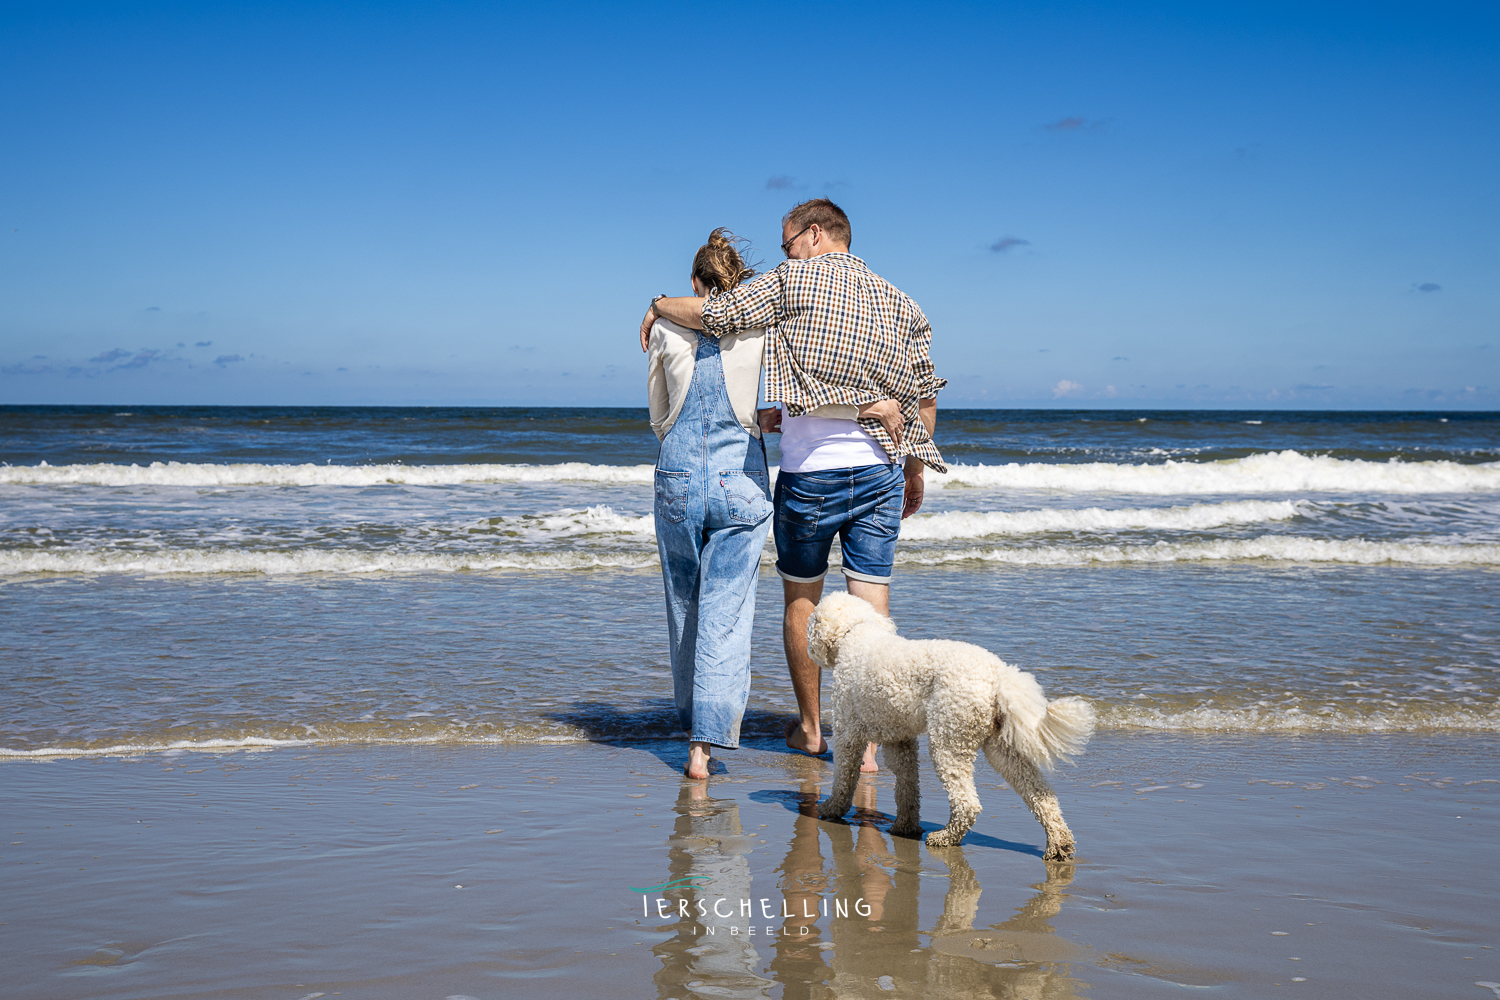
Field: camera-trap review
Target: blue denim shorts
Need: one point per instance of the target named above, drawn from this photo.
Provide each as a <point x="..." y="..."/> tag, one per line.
<point x="862" y="506"/>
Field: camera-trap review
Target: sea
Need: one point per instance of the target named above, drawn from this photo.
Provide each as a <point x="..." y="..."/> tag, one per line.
<point x="179" y="577"/>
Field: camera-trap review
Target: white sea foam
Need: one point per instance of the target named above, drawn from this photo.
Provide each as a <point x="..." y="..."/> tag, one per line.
<point x="1271" y="472"/>
<point x="243" y="743"/>
<point x="1261" y="720"/>
<point x="1111" y="716"/>
<point x="1275" y="548"/>
<point x="353" y="562"/>
<point x="946" y="526"/>
<point x="569" y="523"/>
<point x="1197" y="517"/>
<point x="269" y="743"/>
<point x="196" y="474"/>
<point x="339" y="561"/>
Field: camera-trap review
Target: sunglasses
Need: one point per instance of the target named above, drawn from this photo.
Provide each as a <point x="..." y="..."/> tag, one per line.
<point x="786" y="246"/>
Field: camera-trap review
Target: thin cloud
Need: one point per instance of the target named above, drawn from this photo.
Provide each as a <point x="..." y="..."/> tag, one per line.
<point x="781" y="182"/>
<point x="141" y="360"/>
<point x="1007" y="243"/>
<point x="227" y="359"/>
<point x="1066" y="387"/>
<point x="153" y="309"/>
<point x="1076" y="124"/>
<point x="1119" y="357"/>
<point x="25" y="369"/>
<point x="1428" y="286"/>
<point x="108" y="356"/>
<point x="204" y="343"/>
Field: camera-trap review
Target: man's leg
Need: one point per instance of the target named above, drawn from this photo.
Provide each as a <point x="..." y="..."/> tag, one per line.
<point x="878" y="594"/>
<point x="807" y="734"/>
<point x="869" y="549"/>
<point x="807" y="678"/>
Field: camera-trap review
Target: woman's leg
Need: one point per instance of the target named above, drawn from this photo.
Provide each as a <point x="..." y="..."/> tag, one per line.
<point x="726" y="618"/>
<point x="679" y="543"/>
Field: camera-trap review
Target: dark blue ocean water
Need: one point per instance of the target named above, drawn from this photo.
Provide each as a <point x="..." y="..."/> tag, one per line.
<point x="447" y="435"/>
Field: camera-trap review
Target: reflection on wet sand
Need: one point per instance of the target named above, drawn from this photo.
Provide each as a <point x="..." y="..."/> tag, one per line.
<point x="703" y="957"/>
<point x="879" y="948"/>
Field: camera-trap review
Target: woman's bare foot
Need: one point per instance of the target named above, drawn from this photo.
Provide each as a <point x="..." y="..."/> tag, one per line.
<point x="868" y="765"/>
<point x="697" y="765"/>
<point x="798" y="740"/>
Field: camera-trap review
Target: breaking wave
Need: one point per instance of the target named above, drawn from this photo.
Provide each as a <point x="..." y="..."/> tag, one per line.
<point x="355" y="562"/>
<point x="1197" y="517"/>
<point x="201" y="475"/>
<point x="946" y="526"/>
<point x="1278" y="548"/>
<point x="343" y="561"/>
<point x="1271" y="472"/>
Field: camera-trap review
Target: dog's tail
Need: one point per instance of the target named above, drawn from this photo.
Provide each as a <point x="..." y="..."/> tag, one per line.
<point x="1057" y="732"/>
<point x="1066" y="728"/>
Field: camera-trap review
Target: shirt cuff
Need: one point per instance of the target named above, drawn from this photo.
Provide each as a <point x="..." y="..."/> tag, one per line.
<point x="713" y="322"/>
<point x="931" y="387"/>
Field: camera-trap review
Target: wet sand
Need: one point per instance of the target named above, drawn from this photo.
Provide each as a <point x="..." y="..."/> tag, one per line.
<point x="1361" y="866"/>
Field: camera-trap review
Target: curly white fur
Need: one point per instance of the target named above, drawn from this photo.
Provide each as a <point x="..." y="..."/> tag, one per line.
<point x="889" y="690"/>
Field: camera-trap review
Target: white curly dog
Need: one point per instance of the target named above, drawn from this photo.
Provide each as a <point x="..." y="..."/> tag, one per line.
<point x="889" y="690"/>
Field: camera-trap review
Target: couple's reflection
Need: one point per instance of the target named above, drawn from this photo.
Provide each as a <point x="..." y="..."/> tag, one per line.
<point x="879" y="949"/>
<point x="704" y="957"/>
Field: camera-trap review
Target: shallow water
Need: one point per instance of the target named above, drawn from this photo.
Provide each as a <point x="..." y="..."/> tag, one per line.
<point x="353" y="574"/>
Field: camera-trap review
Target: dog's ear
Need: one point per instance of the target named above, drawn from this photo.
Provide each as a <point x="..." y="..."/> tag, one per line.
<point x="825" y="627"/>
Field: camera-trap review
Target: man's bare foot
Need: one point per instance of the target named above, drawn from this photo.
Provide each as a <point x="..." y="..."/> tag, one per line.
<point x="697" y="765"/>
<point x="868" y="765"/>
<point x="798" y="740"/>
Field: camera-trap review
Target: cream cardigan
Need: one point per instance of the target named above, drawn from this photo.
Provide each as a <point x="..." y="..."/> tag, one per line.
<point x="672" y="357"/>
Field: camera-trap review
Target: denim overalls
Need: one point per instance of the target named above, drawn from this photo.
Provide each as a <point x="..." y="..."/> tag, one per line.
<point x="713" y="510"/>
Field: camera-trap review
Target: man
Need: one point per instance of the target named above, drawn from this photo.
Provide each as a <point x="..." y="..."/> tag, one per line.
<point x="847" y="357"/>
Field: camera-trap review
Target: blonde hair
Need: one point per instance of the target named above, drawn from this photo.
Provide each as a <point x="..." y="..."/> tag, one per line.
<point x="718" y="265"/>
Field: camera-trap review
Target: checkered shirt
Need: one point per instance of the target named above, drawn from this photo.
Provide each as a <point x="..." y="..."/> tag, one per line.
<point x="838" y="333"/>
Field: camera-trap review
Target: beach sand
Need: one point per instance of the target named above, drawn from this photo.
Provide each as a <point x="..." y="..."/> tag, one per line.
<point x="1328" y="866"/>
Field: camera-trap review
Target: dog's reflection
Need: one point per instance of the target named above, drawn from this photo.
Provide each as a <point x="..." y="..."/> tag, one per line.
<point x="1022" y="957"/>
<point x="877" y="950"/>
<point x="861" y="951"/>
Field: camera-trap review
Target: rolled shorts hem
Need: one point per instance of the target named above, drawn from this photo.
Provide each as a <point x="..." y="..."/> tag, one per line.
<point x="789" y="578"/>
<point x="866" y="577"/>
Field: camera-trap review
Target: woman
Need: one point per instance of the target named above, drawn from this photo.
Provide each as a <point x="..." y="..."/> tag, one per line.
<point x="713" y="505"/>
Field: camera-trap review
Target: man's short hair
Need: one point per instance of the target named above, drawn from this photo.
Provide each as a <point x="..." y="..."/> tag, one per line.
<point x="822" y="213"/>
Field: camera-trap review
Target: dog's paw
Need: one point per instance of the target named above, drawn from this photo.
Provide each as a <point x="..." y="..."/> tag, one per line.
<point x="914" y="830"/>
<point x="943" y="838"/>
<point x="1059" y="852"/>
<point x="826" y="811"/>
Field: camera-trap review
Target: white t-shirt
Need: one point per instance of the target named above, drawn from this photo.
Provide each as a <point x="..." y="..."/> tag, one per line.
<point x="813" y="443"/>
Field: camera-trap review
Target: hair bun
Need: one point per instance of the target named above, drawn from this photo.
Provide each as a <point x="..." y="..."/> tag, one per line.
<point x="718" y="265"/>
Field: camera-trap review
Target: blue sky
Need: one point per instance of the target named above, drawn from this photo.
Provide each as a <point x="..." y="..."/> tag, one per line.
<point x="1129" y="204"/>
